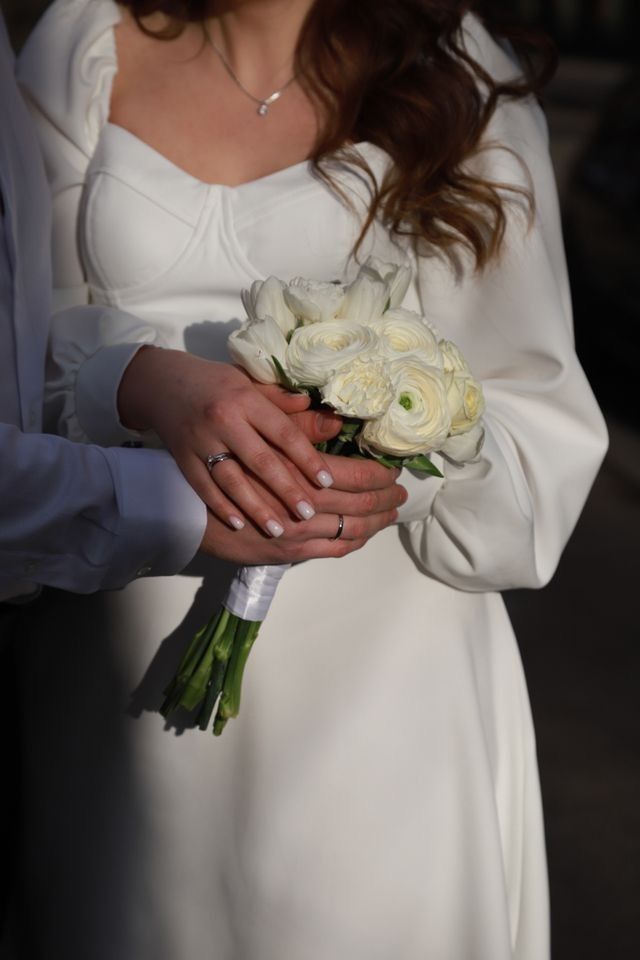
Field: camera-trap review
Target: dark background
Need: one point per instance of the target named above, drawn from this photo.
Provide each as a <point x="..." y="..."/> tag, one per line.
<point x="579" y="636"/>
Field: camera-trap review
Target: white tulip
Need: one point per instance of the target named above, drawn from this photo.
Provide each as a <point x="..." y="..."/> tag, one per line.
<point x="397" y="276"/>
<point x="402" y="332"/>
<point x="417" y="421"/>
<point x="254" y="344"/>
<point x="361" y="388"/>
<point x="365" y="299"/>
<point x="465" y="446"/>
<point x="313" y="301"/>
<point x="266" y="299"/>
<point x="315" y="352"/>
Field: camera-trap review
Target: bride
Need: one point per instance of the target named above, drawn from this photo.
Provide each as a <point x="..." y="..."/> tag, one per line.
<point x="378" y="795"/>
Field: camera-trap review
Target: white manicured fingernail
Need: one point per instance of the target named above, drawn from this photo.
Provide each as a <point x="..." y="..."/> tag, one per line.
<point x="274" y="528"/>
<point x="236" y="523"/>
<point x="324" y="478"/>
<point x="305" y="510"/>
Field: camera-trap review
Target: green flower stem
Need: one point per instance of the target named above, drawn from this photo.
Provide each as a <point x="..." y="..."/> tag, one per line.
<point x="212" y="644"/>
<point x="219" y="650"/>
<point x="218" y="672"/>
<point x="196" y="650"/>
<point x="335" y="447"/>
<point x="229" y="705"/>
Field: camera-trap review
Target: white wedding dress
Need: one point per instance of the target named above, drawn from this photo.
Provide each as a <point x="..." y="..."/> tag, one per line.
<point x="378" y="796"/>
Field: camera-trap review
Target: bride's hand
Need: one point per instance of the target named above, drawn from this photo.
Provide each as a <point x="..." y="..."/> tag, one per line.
<point x="200" y="407"/>
<point x="367" y="503"/>
<point x="365" y="494"/>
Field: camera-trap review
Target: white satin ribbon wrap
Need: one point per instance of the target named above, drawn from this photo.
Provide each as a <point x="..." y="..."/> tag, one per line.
<point x="253" y="589"/>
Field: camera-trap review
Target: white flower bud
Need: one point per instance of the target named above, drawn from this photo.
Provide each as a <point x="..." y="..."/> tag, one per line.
<point x="266" y="299"/>
<point x="254" y="344"/>
<point x="365" y="299"/>
<point x="397" y="277"/>
<point x="313" y="301"/>
<point x="465" y="446"/>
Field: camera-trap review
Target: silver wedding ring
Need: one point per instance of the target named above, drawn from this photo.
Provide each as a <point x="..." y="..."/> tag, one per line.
<point x="340" y="529"/>
<point x="214" y="458"/>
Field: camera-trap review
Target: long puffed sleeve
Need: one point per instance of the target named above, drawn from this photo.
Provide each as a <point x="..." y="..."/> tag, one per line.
<point x="66" y="71"/>
<point x="503" y="521"/>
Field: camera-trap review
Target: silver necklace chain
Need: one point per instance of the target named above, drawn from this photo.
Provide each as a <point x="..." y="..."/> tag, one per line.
<point x="263" y="102"/>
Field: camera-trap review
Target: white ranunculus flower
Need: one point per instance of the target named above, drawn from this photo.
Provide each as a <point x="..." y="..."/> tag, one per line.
<point x="254" y="344"/>
<point x="397" y="276"/>
<point x="266" y="299"/>
<point x="453" y="360"/>
<point x="315" y="352"/>
<point x="464" y="447"/>
<point x="417" y="420"/>
<point x="403" y="332"/>
<point x="465" y="399"/>
<point x="313" y="301"/>
<point x="361" y="388"/>
<point x="365" y="299"/>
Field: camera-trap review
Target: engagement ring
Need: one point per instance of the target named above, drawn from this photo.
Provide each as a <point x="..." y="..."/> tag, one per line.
<point x="214" y="458"/>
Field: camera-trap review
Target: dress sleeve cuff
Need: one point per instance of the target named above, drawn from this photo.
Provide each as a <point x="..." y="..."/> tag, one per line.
<point x="97" y="386"/>
<point x="162" y="523"/>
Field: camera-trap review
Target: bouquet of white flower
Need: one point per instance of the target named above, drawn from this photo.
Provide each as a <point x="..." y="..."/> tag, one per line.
<point x="403" y="392"/>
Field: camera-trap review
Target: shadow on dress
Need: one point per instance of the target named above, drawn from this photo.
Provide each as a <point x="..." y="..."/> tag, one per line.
<point x="208" y="339"/>
<point x="149" y="694"/>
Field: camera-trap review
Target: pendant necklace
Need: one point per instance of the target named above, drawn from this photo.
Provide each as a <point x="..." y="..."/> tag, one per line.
<point x="263" y="102"/>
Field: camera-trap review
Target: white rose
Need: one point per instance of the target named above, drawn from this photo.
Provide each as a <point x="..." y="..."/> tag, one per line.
<point x="465" y="399"/>
<point x="365" y="299"/>
<point x="313" y="301"/>
<point x="397" y="277"/>
<point x="361" y="388"/>
<point x="402" y="332"/>
<point x="266" y="299"/>
<point x="465" y="446"/>
<point x="315" y="352"/>
<point x="254" y="344"/>
<point x="417" y="421"/>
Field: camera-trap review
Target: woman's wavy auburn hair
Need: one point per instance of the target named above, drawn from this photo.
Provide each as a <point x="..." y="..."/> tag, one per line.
<point x="395" y="73"/>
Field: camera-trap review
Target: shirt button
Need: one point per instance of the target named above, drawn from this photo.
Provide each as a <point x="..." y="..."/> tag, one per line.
<point x="143" y="571"/>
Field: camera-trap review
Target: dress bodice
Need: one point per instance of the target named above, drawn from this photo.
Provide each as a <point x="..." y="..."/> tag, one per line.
<point x="172" y="248"/>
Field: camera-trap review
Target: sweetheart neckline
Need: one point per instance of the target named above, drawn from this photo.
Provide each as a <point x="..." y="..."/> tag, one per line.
<point x="363" y="144"/>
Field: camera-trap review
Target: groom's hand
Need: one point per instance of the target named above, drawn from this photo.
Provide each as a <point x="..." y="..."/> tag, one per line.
<point x="317" y="425"/>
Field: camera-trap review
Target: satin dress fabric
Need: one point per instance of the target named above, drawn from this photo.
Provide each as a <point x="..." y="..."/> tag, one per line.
<point x="378" y="795"/>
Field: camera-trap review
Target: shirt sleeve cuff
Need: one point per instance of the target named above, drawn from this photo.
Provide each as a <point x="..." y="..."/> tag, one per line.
<point x="97" y="386"/>
<point x="162" y="519"/>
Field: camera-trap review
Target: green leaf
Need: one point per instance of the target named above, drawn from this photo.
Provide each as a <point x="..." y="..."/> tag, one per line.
<point x="314" y="395"/>
<point x="422" y="464"/>
<point x="349" y="429"/>
<point x="388" y="461"/>
<point x="283" y="376"/>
